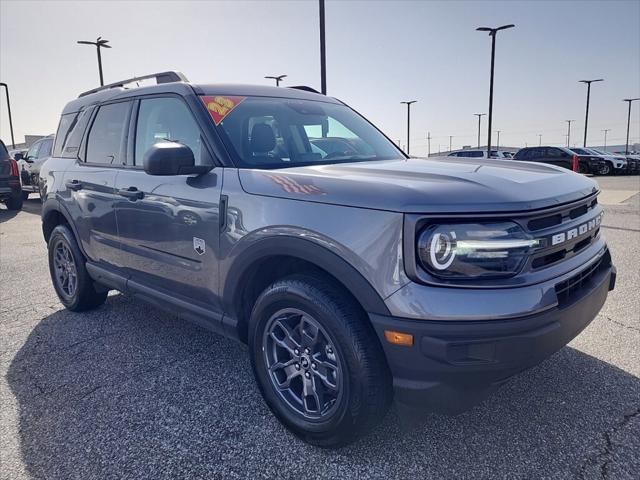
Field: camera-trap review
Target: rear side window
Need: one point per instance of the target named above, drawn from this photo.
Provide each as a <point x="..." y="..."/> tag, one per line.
<point x="64" y="127"/>
<point x="104" y="144"/>
<point x="71" y="144"/>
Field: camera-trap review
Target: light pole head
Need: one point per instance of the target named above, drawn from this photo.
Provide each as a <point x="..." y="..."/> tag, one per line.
<point x="591" y="81"/>
<point x="479" y="114"/>
<point x="409" y="102"/>
<point x="493" y="31"/>
<point x="630" y="99"/>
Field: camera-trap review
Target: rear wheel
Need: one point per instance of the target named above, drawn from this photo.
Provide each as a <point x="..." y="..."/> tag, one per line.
<point x="25" y="195"/>
<point x="14" y="202"/>
<point x="317" y="361"/>
<point x="71" y="281"/>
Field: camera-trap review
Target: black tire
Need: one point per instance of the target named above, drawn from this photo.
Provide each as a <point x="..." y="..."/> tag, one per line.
<point x="14" y="202"/>
<point x="606" y="169"/>
<point x="362" y="376"/>
<point x="84" y="296"/>
<point x="25" y="195"/>
<point x="583" y="169"/>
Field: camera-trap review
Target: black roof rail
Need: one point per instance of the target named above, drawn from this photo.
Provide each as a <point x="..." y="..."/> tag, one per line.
<point x="305" y="88"/>
<point x="162" y="77"/>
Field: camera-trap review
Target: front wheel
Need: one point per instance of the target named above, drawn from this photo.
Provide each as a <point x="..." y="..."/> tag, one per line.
<point x="606" y="169"/>
<point x="317" y="361"/>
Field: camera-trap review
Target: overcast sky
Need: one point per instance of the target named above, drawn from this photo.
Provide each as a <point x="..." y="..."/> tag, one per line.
<point x="378" y="54"/>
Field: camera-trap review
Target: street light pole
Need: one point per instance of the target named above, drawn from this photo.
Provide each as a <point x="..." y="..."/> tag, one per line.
<point x="408" y="104"/>
<point x="479" y="115"/>
<point x="323" y="52"/>
<point x="278" y="79"/>
<point x="492" y="34"/>
<point x="629" y="101"/>
<point x="428" y="144"/>
<point x="569" y="131"/>
<point x="539" y="139"/>
<point x="498" y="145"/>
<point x="99" y="43"/>
<point x="606" y="130"/>
<point x="450" y="138"/>
<point x="586" y="115"/>
<point x="6" y="89"/>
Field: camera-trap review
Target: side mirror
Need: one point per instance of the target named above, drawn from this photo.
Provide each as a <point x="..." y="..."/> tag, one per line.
<point x="170" y="158"/>
<point x="18" y="156"/>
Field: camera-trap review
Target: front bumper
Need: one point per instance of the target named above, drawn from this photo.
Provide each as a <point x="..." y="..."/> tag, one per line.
<point x="453" y="365"/>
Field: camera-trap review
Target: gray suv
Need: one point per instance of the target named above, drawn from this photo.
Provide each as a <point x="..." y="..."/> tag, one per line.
<point x="355" y="275"/>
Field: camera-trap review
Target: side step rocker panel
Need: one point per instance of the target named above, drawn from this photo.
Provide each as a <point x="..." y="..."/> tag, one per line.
<point x="207" y="319"/>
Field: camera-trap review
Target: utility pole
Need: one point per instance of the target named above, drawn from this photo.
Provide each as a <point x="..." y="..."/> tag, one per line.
<point x="99" y="43"/>
<point x="628" y="100"/>
<point x="323" y="51"/>
<point x="586" y="115"/>
<point x="498" y="146"/>
<point x="6" y="90"/>
<point x="606" y="130"/>
<point x="428" y="144"/>
<point x="479" y="115"/>
<point x="492" y="34"/>
<point x="569" y="131"/>
<point x="450" y="138"/>
<point x="539" y="139"/>
<point x="408" y="104"/>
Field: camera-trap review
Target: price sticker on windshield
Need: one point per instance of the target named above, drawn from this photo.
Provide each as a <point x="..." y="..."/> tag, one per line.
<point x="220" y="106"/>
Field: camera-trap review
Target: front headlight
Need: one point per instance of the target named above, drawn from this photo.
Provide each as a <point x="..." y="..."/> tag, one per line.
<point x="473" y="250"/>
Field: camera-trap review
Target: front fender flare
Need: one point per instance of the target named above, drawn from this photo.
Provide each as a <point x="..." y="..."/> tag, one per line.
<point x="308" y="251"/>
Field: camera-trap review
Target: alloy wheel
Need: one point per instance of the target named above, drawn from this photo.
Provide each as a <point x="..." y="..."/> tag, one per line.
<point x="66" y="274"/>
<point x="302" y="363"/>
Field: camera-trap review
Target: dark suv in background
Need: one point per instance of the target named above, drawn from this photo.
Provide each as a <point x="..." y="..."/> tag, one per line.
<point x="562" y="157"/>
<point x="10" y="191"/>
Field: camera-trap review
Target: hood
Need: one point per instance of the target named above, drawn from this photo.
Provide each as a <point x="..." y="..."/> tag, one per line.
<point x="440" y="185"/>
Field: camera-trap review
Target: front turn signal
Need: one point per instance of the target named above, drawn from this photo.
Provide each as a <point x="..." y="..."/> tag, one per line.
<point x="399" y="338"/>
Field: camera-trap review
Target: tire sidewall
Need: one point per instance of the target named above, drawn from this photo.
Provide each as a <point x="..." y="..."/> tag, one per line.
<point x="343" y="418"/>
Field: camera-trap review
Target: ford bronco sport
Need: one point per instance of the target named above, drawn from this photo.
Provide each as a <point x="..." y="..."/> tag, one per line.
<point x="355" y="276"/>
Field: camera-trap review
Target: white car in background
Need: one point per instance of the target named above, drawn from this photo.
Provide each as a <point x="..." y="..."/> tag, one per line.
<point x="614" y="164"/>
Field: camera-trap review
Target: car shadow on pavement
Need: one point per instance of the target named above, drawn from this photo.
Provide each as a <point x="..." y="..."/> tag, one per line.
<point x="33" y="205"/>
<point x="127" y="391"/>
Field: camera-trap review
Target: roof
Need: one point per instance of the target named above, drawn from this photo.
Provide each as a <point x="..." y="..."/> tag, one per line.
<point x="173" y="82"/>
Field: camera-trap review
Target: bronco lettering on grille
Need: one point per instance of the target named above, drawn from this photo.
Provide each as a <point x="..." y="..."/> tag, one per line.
<point x="562" y="237"/>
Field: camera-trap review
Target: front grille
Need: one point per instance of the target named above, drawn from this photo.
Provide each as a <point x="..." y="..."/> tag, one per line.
<point x="566" y="222"/>
<point x="552" y="220"/>
<point x="569" y="289"/>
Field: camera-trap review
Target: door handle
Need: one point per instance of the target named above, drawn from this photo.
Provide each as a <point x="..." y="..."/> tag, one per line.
<point x="132" y="193"/>
<point x="74" y="185"/>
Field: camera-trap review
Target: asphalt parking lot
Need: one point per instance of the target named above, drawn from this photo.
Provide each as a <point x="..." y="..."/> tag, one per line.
<point x="128" y="391"/>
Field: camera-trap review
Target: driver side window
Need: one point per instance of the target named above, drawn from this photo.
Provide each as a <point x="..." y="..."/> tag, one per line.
<point x="166" y="119"/>
<point x="32" y="154"/>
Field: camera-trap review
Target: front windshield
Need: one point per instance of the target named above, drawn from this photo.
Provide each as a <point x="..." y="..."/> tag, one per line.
<point x="266" y="132"/>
